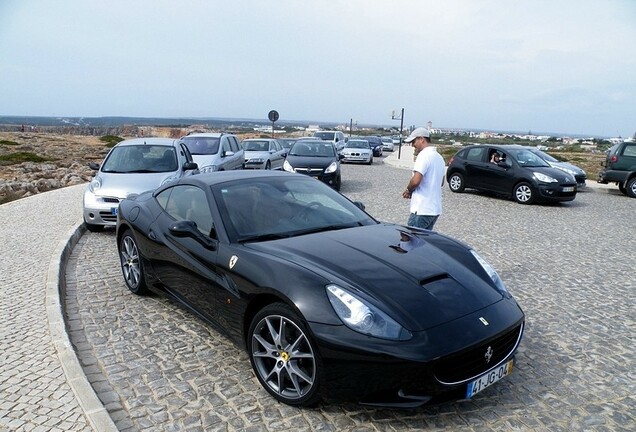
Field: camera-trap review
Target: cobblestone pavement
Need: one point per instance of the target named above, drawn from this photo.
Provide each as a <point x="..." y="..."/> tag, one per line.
<point x="34" y="392"/>
<point x="570" y="266"/>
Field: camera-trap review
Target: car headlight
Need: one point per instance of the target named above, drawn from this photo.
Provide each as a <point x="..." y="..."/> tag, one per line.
<point x="287" y="167"/>
<point x="363" y="317"/>
<point x="331" y="168"/>
<point x="95" y="184"/>
<point x="208" y="169"/>
<point x="501" y="287"/>
<point x="545" y="178"/>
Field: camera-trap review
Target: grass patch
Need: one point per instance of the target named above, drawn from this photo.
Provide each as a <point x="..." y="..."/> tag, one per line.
<point x="19" y="157"/>
<point x="8" y="143"/>
<point x="111" y="140"/>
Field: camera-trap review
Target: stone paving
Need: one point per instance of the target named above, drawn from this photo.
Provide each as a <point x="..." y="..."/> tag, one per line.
<point x="570" y="266"/>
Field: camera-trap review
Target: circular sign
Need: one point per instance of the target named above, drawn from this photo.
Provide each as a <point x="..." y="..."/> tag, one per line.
<point x="273" y="115"/>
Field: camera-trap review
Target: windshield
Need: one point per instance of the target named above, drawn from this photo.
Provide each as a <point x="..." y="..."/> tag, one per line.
<point x="312" y="148"/>
<point x="141" y="159"/>
<point x="329" y="136"/>
<point x="358" y="144"/>
<point x="527" y="158"/>
<point x="202" y="145"/>
<point x="546" y="156"/>
<point x="278" y="207"/>
<point x="255" y="145"/>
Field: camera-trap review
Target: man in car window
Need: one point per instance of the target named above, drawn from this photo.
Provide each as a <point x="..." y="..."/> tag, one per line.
<point x="425" y="187"/>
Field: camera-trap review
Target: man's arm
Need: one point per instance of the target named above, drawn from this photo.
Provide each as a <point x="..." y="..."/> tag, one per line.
<point x="415" y="181"/>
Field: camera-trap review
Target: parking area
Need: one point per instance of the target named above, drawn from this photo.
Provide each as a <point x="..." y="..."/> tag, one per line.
<point x="155" y="366"/>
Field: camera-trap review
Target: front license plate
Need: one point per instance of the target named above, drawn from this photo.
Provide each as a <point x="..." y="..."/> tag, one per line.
<point x="113" y="211"/>
<point x="568" y="189"/>
<point x="488" y="379"/>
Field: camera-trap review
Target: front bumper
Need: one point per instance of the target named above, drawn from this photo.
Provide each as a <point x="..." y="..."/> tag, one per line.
<point x="319" y="173"/>
<point x="357" y="158"/>
<point x="100" y="210"/>
<point x="552" y="192"/>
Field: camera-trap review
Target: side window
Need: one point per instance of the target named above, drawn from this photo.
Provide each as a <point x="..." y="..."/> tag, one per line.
<point x="162" y="197"/>
<point x="630" y="150"/>
<point x="185" y="152"/>
<point x="475" y="154"/>
<point x="225" y="143"/>
<point x="234" y="145"/>
<point x="188" y="203"/>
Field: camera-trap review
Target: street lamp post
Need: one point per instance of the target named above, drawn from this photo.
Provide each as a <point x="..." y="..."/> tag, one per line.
<point x="401" y="119"/>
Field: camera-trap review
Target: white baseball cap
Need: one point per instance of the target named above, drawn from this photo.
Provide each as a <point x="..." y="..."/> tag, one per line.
<point x="418" y="132"/>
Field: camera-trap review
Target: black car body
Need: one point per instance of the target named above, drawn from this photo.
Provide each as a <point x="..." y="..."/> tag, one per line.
<point x="519" y="174"/>
<point x="578" y="173"/>
<point x="620" y="167"/>
<point x="326" y="300"/>
<point x="316" y="158"/>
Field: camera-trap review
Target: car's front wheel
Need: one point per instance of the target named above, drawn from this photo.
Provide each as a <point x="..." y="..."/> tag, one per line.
<point x="284" y="356"/>
<point x="131" y="265"/>
<point x="523" y="193"/>
<point x="456" y="182"/>
<point x="630" y="187"/>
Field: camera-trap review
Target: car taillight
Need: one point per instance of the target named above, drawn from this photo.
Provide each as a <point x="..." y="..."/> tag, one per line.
<point x="614" y="159"/>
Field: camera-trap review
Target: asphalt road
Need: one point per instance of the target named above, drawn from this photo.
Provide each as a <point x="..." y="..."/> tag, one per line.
<point x="570" y="266"/>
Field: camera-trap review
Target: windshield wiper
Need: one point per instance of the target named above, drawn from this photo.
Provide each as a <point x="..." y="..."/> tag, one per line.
<point x="326" y="228"/>
<point x="263" y="237"/>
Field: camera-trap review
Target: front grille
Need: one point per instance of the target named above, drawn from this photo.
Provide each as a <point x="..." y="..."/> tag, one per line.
<point x="471" y="363"/>
<point x="108" y="216"/>
<point x="111" y="200"/>
<point x="309" y="171"/>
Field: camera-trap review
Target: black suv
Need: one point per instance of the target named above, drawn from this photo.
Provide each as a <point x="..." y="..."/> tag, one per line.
<point x="509" y="170"/>
<point x="620" y="168"/>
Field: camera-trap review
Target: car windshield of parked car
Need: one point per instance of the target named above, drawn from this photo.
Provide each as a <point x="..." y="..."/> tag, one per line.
<point x="141" y="159"/>
<point x="286" y="206"/>
<point x="312" y="148"/>
<point x="546" y="157"/>
<point x="329" y="136"/>
<point x="526" y="158"/>
<point x="256" y="145"/>
<point x="287" y="143"/>
<point x="202" y="145"/>
<point x="358" y="144"/>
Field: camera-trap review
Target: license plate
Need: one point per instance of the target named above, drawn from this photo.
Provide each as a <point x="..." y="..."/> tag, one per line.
<point x="113" y="211"/>
<point x="488" y="379"/>
<point x="568" y="189"/>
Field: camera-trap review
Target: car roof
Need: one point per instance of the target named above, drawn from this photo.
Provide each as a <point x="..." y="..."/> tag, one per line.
<point x="499" y="146"/>
<point x="147" y="141"/>
<point x="206" y="134"/>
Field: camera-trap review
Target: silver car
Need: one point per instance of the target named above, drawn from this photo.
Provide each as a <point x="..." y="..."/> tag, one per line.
<point x="131" y="167"/>
<point x="357" y="150"/>
<point x="263" y="153"/>
<point x="215" y="151"/>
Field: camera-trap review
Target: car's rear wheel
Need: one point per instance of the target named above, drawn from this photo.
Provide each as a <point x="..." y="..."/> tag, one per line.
<point x="622" y="188"/>
<point x="631" y="187"/>
<point x="456" y="182"/>
<point x="131" y="266"/>
<point x="523" y="193"/>
<point x="284" y="356"/>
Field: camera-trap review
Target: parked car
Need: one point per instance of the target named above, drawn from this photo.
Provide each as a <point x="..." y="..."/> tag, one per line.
<point x="376" y="144"/>
<point x="215" y="151"/>
<point x="519" y="174"/>
<point x="131" y="167"/>
<point x="578" y="173"/>
<point x="357" y="150"/>
<point x="287" y="142"/>
<point x="620" y="167"/>
<point x="326" y="300"/>
<point x="387" y="143"/>
<point x="263" y="153"/>
<point x="336" y="137"/>
<point x="316" y="158"/>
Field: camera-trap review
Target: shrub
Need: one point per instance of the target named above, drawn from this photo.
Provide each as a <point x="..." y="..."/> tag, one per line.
<point x="111" y="140"/>
<point x="9" y="143"/>
<point x="19" y="157"/>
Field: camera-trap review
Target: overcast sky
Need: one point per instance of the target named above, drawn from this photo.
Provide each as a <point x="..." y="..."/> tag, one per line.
<point x="562" y="66"/>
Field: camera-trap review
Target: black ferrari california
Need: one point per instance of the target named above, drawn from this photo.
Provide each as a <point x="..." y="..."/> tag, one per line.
<point x="327" y="301"/>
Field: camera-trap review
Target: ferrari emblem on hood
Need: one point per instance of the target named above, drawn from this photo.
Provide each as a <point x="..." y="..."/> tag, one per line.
<point x="233" y="260"/>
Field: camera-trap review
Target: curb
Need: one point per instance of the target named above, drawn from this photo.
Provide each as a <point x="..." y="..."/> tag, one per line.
<point x="93" y="408"/>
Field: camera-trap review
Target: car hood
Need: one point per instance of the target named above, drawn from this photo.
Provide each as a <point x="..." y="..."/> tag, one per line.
<point x="423" y="282"/>
<point x="122" y="185"/>
<point x="256" y="154"/>
<point x="310" y="161"/>
<point x="206" y="160"/>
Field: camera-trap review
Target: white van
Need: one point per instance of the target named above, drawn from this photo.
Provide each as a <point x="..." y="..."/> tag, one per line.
<point x="336" y="137"/>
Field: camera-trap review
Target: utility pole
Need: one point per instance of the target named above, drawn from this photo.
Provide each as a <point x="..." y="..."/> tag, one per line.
<point x="401" y="119"/>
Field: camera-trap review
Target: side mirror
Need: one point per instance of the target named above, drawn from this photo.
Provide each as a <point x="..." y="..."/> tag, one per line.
<point x="187" y="228"/>
<point x="359" y="204"/>
<point x="190" y="166"/>
<point x="340" y="156"/>
<point x="94" y="166"/>
<point x="226" y="153"/>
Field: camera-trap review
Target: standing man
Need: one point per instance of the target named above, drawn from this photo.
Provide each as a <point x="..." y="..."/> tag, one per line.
<point x="425" y="187"/>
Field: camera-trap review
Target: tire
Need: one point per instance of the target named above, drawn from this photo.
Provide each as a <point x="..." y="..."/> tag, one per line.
<point x="131" y="265"/>
<point x="630" y="187"/>
<point x="284" y="356"/>
<point x="93" y="227"/>
<point x="523" y="193"/>
<point x="622" y="188"/>
<point x="338" y="184"/>
<point x="370" y="161"/>
<point x="456" y="182"/>
<point x="268" y="165"/>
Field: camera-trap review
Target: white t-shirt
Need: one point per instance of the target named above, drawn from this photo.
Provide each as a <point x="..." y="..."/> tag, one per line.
<point x="426" y="199"/>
